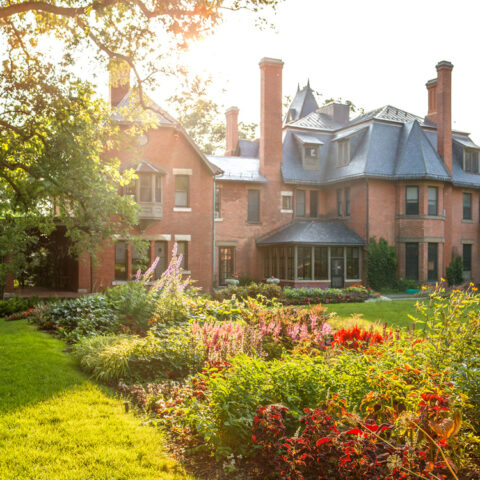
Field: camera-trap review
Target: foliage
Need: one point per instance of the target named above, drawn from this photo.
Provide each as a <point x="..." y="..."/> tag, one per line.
<point x="303" y="296"/>
<point x="381" y="264"/>
<point x="17" y="304"/>
<point x="355" y="338"/>
<point x="406" y="284"/>
<point x="252" y="290"/>
<point x="80" y="317"/>
<point x="455" y="271"/>
<point x="117" y="357"/>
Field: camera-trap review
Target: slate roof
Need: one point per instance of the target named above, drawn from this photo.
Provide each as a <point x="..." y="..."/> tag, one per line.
<point x="312" y="233"/>
<point x="144" y="167"/>
<point x="248" y="148"/>
<point x="389" y="113"/>
<point x="238" y="169"/>
<point x="316" y="121"/>
<point x="303" y="104"/>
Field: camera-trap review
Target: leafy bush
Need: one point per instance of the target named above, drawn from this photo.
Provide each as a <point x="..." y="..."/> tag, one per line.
<point x="252" y="290"/>
<point x="140" y="358"/>
<point x="455" y="271"/>
<point x="17" y="304"/>
<point x="406" y="284"/>
<point x="381" y="264"/>
<point x="303" y="296"/>
<point x="81" y="317"/>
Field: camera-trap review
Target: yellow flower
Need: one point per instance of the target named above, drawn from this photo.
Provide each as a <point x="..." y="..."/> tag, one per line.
<point x="442" y="279"/>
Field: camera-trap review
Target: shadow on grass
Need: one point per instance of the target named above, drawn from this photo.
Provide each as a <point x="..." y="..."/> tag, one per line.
<point x="33" y="366"/>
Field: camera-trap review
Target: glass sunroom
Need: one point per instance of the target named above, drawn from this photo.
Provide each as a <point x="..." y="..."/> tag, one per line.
<point x="313" y="253"/>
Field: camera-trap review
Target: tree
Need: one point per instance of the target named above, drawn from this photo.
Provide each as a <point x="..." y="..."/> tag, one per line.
<point x="57" y="141"/>
<point x="455" y="271"/>
<point x="381" y="264"/>
<point x="202" y="117"/>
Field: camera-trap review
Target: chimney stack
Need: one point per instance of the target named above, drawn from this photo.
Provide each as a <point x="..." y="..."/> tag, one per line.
<point x="444" y="112"/>
<point x="119" y="72"/>
<point x="231" y="116"/>
<point x="271" y="116"/>
<point x="432" y="100"/>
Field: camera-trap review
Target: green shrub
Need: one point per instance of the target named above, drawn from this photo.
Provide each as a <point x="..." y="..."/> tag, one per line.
<point x="81" y="317"/>
<point x="302" y="296"/>
<point x="406" y="284"/>
<point x="455" y="271"/>
<point x="17" y="304"/>
<point x="381" y="264"/>
<point x="133" y="358"/>
<point x="252" y="290"/>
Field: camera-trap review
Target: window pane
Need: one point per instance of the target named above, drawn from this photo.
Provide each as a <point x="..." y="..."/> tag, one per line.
<point x="281" y="262"/>
<point x="347" y="202"/>
<point x="226" y="257"/>
<point x="353" y="263"/>
<point x="182" y="249"/>
<point x="467" y="257"/>
<point x="121" y="260"/>
<point x="290" y="263"/>
<point x="253" y="206"/>
<point x="275" y="262"/>
<point x="158" y="189"/>
<point x="304" y="263"/>
<point x="339" y="203"/>
<point x="286" y="202"/>
<point x="145" y="187"/>
<point x="432" y="262"/>
<point x="181" y="190"/>
<point x="467" y="206"/>
<point x="411" y="261"/>
<point x="160" y="251"/>
<point x="321" y="263"/>
<point x="217" y="203"/>
<point x="313" y="203"/>
<point x="432" y="200"/>
<point x="140" y="258"/>
<point x="411" y="196"/>
<point x="300" y="203"/>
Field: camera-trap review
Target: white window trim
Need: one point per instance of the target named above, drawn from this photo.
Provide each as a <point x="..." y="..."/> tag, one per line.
<point x="182" y="171"/>
<point x="287" y="194"/>
<point x="182" y="209"/>
<point x="183" y="238"/>
<point x="218" y="219"/>
<point x="157" y="237"/>
<point x="286" y="211"/>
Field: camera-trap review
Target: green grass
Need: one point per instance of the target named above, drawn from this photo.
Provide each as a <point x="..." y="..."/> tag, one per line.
<point x="55" y="424"/>
<point x="394" y="313"/>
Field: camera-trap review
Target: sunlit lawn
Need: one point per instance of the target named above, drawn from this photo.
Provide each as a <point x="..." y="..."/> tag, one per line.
<point x="394" y="313"/>
<point x="55" y="424"/>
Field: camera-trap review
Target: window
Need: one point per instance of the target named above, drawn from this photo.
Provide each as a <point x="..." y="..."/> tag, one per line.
<point x="281" y="262"/>
<point x="343" y="153"/>
<point x="353" y="263"/>
<point x="339" y="203"/>
<point x="432" y="274"/>
<point x="310" y="157"/>
<point x="411" y="261"/>
<point x="253" y="215"/>
<point x="304" y="263"/>
<point x="347" y="204"/>
<point x="275" y="262"/>
<point x="267" y="263"/>
<point x="147" y="189"/>
<point x="160" y="251"/>
<point x="287" y="204"/>
<point x="300" y="203"/>
<point x="433" y="201"/>
<point x="467" y="261"/>
<point x="467" y="206"/>
<point x="411" y="201"/>
<point x="311" y="152"/>
<point x="290" y="262"/>
<point x="321" y="263"/>
<point x="313" y="203"/>
<point x="182" y="249"/>
<point x="121" y="261"/>
<point x="226" y="263"/>
<point x="182" y="190"/>
<point x="470" y="161"/>
<point x="218" y="212"/>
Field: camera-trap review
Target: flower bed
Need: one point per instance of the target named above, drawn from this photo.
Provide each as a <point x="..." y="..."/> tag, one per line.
<point x="307" y="296"/>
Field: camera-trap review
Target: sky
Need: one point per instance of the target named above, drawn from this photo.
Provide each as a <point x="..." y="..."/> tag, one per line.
<point x="372" y="52"/>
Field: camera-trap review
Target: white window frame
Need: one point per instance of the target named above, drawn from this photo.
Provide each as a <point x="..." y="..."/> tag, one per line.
<point x="286" y="195"/>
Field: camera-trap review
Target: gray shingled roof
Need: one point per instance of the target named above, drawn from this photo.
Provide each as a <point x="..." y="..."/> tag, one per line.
<point x="312" y="233"/>
<point x="248" y="148"/>
<point x="316" y="121"/>
<point x="238" y="169"/>
<point x="389" y="113"/>
<point x="303" y="104"/>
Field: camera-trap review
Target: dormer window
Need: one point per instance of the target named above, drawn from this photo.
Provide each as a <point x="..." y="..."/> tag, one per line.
<point x="343" y="154"/>
<point x="470" y="161"/>
<point x="309" y="148"/>
<point x="147" y="189"/>
<point x="311" y="151"/>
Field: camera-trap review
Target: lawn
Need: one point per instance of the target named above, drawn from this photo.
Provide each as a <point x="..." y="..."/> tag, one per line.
<point x="394" y="313"/>
<point x="55" y="424"/>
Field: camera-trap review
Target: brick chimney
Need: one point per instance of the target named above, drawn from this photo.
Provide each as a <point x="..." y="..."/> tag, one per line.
<point x="231" y="116"/>
<point x="119" y="72"/>
<point x="271" y="116"/>
<point x="444" y="112"/>
<point x="432" y="100"/>
<point x="339" y="112"/>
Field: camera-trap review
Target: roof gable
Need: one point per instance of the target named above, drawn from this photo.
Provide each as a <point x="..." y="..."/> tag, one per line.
<point x="303" y="104"/>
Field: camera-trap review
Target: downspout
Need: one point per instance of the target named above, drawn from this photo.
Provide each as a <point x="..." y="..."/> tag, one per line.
<point x="213" y="233"/>
<point x="367" y="229"/>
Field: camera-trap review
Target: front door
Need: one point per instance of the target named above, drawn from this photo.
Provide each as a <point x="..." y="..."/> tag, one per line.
<point x="226" y="263"/>
<point x="337" y="267"/>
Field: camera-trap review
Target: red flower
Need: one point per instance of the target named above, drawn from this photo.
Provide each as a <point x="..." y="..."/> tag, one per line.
<point x="323" y="440"/>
